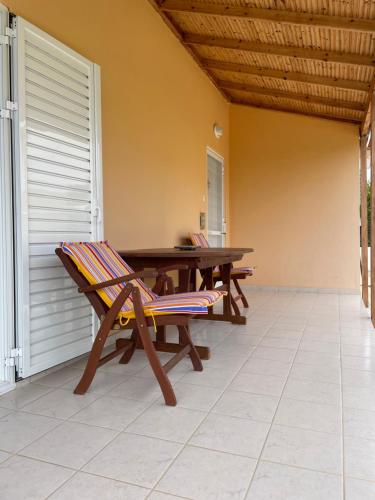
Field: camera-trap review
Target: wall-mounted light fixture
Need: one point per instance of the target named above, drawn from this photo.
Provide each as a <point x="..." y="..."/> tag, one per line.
<point x="218" y="131"/>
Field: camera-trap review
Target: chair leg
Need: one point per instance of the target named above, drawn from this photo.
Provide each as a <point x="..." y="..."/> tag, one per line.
<point x="240" y="292"/>
<point x="93" y="360"/>
<point x="149" y="348"/>
<point x="100" y="339"/>
<point x="126" y="357"/>
<point x="186" y="339"/>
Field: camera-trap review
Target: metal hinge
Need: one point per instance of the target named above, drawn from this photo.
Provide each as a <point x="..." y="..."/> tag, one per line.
<point x="9" y="33"/>
<point x="14" y="353"/>
<point x="9" y="106"/>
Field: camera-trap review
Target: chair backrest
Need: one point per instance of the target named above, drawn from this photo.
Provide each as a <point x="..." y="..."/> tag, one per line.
<point x="199" y="239"/>
<point x="98" y="262"/>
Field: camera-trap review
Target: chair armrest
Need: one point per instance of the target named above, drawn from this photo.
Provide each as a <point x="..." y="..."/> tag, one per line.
<point x="116" y="281"/>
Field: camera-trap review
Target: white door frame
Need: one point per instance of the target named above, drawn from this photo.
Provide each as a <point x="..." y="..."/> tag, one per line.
<point x="219" y="158"/>
<point x="7" y="334"/>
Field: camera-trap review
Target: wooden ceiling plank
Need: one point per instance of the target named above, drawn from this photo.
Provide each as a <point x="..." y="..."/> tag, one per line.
<point x="273" y="15"/>
<point x="245" y="102"/>
<point x="278" y="50"/>
<point x="286" y="75"/>
<point x="338" y="103"/>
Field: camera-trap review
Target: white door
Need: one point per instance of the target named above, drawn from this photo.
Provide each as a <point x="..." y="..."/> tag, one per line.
<point x="6" y="227"/>
<point x="58" y="193"/>
<point x="215" y="188"/>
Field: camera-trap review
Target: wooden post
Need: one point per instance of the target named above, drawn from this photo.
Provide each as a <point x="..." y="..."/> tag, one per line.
<point x="364" y="221"/>
<point x="372" y="209"/>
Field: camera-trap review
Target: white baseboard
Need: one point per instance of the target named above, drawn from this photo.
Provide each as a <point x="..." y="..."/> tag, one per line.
<point x="270" y="288"/>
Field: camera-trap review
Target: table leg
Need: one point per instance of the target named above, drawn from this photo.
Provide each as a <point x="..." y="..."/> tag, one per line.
<point x="183" y="280"/>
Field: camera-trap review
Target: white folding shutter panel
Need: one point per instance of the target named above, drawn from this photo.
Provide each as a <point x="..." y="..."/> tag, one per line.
<point x="6" y="234"/>
<point x="58" y="179"/>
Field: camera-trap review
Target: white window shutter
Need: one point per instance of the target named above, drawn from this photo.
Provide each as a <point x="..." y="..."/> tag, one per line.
<point x="58" y="193"/>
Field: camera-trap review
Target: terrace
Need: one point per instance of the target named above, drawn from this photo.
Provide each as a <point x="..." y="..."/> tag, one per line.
<point x="142" y="123"/>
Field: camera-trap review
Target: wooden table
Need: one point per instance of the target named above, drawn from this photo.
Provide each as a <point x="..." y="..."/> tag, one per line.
<point x="202" y="258"/>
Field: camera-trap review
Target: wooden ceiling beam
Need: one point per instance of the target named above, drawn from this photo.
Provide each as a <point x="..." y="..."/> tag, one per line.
<point x="254" y="89"/>
<point x="327" y="116"/>
<point x="286" y="75"/>
<point x="273" y="15"/>
<point x="278" y="50"/>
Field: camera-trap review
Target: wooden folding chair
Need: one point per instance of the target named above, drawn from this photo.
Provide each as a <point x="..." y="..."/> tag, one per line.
<point x="123" y="301"/>
<point x="237" y="273"/>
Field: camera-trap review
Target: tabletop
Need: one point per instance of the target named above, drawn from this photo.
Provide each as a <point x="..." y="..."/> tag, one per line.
<point x="175" y="252"/>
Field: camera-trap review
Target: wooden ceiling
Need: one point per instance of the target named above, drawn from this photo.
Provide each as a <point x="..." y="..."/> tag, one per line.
<point x="313" y="57"/>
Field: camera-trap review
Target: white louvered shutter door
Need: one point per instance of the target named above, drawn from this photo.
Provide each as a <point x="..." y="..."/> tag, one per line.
<point x="58" y="186"/>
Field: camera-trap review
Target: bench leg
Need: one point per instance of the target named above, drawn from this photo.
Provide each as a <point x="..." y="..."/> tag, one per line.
<point x="240" y="292"/>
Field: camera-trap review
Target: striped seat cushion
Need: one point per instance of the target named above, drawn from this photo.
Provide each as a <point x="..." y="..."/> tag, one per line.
<point x="99" y="262"/>
<point x="249" y="271"/>
<point x="184" y="303"/>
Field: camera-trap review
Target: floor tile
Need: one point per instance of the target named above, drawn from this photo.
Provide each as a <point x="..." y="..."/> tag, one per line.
<point x="18" y="429"/>
<point x="210" y="377"/>
<point x="22" y="396"/>
<point x="204" y="474"/>
<point x="157" y="495"/>
<point x="281" y="482"/>
<point x="360" y="458"/>
<point x="139" y="460"/>
<point x="362" y="398"/>
<point x="71" y="444"/>
<point x="356" y="489"/>
<point x="103" y="382"/>
<point x="195" y="397"/>
<point x="322" y="373"/>
<point x="84" y="486"/>
<point x="317" y="359"/>
<point x="61" y="403"/>
<point x="359" y="423"/>
<point x="284" y="343"/>
<point x="304" y="448"/>
<point x="266" y="367"/>
<point x="167" y="422"/>
<point x="114" y="413"/>
<point x="315" y="392"/>
<point x="268" y="385"/>
<point x="59" y="377"/>
<point x="141" y="389"/>
<point x="231" y="434"/>
<point x="306" y="415"/>
<point x="247" y="405"/>
<point x="357" y="363"/>
<point x="321" y="347"/>
<point x="4" y="456"/>
<point x="272" y="353"/>
<point x="25" y="479"/>
<point x="360" y="378"/>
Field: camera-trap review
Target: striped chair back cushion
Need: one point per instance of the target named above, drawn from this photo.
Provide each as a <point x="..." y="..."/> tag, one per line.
<point x="199" y="239"/>
<point x="99" y="262"/>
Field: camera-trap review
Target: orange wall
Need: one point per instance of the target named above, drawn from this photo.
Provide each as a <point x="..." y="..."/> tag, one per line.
<point x="158" y="111"/>
<point x="294" y="197"/>
<point x="293" y="184"/>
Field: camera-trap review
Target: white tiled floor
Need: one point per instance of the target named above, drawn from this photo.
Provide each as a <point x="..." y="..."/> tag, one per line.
<point x="284" y="410"/>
